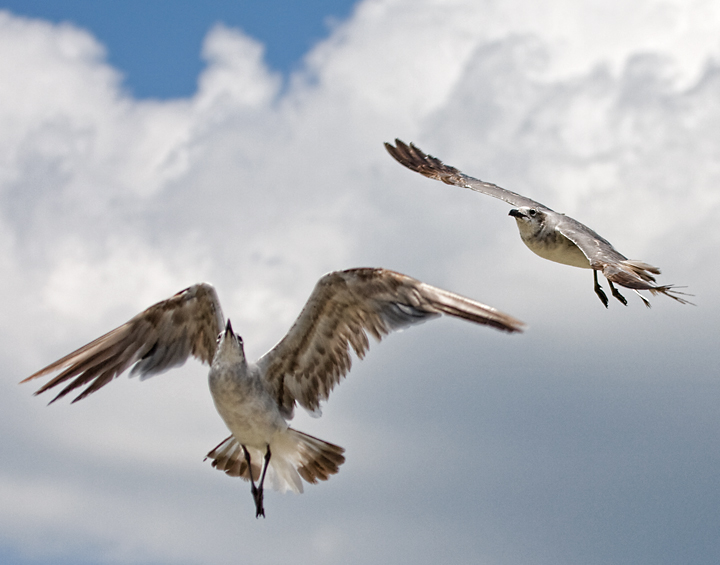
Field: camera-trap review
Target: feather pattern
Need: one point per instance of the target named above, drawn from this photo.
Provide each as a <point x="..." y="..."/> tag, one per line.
<point x="157" y="339"/>
<point x="416" y="160"/>
<point x="342" y="310"/>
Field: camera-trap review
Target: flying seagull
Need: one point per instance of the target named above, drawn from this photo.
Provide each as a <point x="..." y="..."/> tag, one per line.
<point x="256" y="400"/>
<point x="547" y="233"/>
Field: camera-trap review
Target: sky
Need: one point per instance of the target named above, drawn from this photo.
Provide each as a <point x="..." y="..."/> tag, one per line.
<point x="591" y="438"/>
<point x="157" y="45"/>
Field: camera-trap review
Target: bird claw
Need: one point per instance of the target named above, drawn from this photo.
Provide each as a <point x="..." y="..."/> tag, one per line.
<point x="616" y="294"/>
<point x="599" y="291"/>
<point x="601" y="294"/>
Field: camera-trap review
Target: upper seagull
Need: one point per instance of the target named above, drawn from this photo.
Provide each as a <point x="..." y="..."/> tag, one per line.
<point x="256" y="400"/>
<point x="547" y="233"/>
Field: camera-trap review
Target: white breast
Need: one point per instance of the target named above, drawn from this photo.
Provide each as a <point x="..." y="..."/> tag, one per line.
<point x="247" y="409"/>
<point x="556" y="247"/>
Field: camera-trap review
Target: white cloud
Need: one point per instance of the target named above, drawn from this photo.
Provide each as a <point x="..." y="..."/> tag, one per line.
<point x="547" y="447"/>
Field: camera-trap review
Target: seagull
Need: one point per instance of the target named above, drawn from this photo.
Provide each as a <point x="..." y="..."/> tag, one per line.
<point x="549" y="234"/>
<point x="256" y="400"/>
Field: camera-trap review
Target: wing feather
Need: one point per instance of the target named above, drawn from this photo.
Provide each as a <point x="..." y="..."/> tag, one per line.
<point x="596" y="248"/>
<point x="157" y="339"/>
<point x="342" y="310"/>
<point x="416" y="160"/>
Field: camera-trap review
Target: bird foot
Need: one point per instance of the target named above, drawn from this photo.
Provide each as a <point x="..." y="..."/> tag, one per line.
<point x="601" y="294"/>
<point x="258" y="497"/>
<point x="257" y="493"/>
<point x="616" y="294"/>
<point x="599" y="291"/>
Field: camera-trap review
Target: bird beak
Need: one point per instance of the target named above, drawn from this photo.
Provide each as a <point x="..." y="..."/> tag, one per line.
<point x="228" y="328"/>
<point x="516" y="213"/>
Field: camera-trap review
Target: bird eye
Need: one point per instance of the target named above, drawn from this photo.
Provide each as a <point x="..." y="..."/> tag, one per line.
<point x="218" y="337"/>
<point x="532" y="212"/>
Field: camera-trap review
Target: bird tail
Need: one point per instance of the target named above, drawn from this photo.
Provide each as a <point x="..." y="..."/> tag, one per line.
<point x="672" y="292"/>
<point x="293" y="455"/>
<point x="638" y="275"/>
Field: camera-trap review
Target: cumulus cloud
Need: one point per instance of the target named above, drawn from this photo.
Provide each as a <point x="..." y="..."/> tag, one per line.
<point x="590" y="438"/>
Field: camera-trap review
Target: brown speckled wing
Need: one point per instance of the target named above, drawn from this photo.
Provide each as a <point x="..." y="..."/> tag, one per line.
<point x="161" y="337"/>
<point x="342" y="310"/>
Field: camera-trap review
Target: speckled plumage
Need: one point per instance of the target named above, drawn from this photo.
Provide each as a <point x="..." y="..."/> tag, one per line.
<point x="256" y="400"/>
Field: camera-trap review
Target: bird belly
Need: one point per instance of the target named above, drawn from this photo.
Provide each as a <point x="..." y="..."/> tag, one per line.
<point x="249" y="413"/>
<point x="556" y="247"/>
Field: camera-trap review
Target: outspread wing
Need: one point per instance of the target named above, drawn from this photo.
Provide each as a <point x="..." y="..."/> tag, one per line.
<point x="414" y="159"/>
<point x="342" y="310"/>
<point x="161" y="337"/>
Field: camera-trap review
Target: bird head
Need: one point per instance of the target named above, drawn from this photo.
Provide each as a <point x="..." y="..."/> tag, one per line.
<point x="529" y="219"/>
<point x="229" y="346"/>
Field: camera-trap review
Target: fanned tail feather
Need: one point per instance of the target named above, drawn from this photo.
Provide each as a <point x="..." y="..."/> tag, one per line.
<point x="670" y="291"/>
<point x="228" y="456"/>
<point x="637" y="276"/>
<point x="294" y="455"/>
<point x="318" y="459"/>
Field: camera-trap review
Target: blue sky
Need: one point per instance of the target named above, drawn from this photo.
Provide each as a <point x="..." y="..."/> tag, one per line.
<point x="156" y="44"/>
<point x="591" y="438"/>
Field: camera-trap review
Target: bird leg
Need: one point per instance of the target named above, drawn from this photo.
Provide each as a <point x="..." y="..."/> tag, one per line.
<point x="599" y="291"/>
<point x="616" y="293"/>
<point x="257" y="493"/>
<point x="259" y="499"/>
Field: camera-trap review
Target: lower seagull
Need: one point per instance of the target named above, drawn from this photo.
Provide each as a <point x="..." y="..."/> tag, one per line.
<point x="256" y="400"/>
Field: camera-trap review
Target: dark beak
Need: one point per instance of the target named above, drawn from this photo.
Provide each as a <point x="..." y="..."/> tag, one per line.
<point x="516" y="213"/>
<point x="228" y="328"/>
